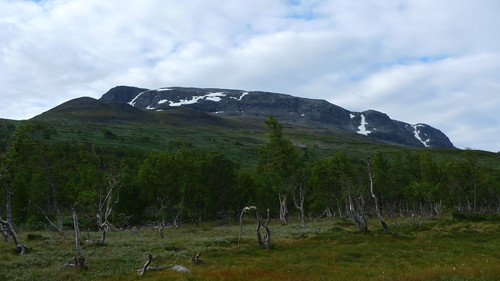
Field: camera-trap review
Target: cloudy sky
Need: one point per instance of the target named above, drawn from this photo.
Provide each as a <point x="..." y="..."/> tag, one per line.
<point x="425" y="61"/>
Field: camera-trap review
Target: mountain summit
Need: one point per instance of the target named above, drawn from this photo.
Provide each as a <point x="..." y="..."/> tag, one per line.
<point x="311" y="113"/>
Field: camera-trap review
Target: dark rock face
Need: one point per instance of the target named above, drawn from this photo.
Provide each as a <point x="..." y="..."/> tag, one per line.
<point x="289" y="109"/>
<point x="121" y="93"/>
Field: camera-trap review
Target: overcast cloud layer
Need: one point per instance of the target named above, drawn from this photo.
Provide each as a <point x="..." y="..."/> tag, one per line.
<point x="433" y="62"/>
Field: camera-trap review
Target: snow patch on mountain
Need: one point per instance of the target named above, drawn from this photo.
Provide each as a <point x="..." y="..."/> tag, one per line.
<point x="216" y="97"/>
<point x="132" y="102"/>
<point x="163" y="89"/>
<point x="418" y="136"/>
<point x="242" y="95"/>
<point x="362" y="129"/>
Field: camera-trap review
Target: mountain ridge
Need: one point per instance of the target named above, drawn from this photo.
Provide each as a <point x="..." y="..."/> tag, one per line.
<point x="239" y="104"/>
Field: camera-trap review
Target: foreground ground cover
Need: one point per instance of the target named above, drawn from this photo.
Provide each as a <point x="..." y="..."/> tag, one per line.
<point x="444" y="249"/>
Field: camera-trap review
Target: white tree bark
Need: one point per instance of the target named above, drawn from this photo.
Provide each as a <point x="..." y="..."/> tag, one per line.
<point x="375" y="200"/>
<point x="283" y="209"/>
<point x="8" y="228"/>
<point x="356" y="212"/>
<point x="298" y="200"/>
<point x="266" y="243"/>
<point x="144" y="268"/>
<point x="105" y="208"/>
<point x="5" y="234"/>
<point x="79" y="259"/>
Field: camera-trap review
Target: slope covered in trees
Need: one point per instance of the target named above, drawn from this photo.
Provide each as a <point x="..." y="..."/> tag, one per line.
<point x="42" y="180"/>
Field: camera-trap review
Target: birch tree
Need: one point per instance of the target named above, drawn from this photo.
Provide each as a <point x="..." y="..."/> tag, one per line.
<point x="378" y="213"/>
<point x="279" y="160"/>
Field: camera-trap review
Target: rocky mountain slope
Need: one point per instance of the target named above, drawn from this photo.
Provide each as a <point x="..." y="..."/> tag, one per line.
<point x="310" y="113"/>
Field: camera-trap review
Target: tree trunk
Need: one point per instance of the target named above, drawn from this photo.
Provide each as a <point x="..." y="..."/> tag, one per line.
<point x="9" y="202"/>
<point x="356" y="212"/>
<point x="160" y="229"/>
<point x="146" y="265"/>
<point x="375" y="200"/>
<point x="7" y="226"/>
<point x="4" y="233"/>
<point x="79" y="259"/>
<point x="267" y="235"/>
<point x="299" y="204"/>
<point x="176" y="225"/>
<point x="283" y="209"/>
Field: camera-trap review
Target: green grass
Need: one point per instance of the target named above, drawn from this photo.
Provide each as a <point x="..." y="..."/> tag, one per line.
<point x="445" y="249"/>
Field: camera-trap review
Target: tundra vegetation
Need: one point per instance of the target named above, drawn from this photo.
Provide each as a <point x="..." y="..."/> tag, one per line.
<point x="358" y="215"/>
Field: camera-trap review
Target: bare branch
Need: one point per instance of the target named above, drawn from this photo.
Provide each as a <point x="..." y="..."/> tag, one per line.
<point x="142" y="270"/>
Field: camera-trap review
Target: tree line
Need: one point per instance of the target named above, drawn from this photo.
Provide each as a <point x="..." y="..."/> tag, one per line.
<point x="43" y="182"/>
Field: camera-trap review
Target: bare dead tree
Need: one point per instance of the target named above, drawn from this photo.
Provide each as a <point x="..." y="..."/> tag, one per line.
<point x="266" y="243"/>
<point x="58" y="228"/>
<point x="164" y="205"/>
<point x="375" y="200"/>
<point x="241" y="223"/>
<point x="142" y="270"/>
<point x="105" y="207"/>
<point x="298" y="200"/>
<point x="356" y="212"/>
<point x="79" y="261"/>
<point x="327" y="212"/>
<point x="267" y="236"/>
<point x="8" y="228"/>
<point x="284" y="215"/>
<point x="176" y="219"/>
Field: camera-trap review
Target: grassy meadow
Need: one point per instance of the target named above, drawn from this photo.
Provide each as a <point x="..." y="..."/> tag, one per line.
<point x="330" y="249"/>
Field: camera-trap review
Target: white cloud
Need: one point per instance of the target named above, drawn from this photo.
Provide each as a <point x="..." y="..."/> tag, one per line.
<point x="435" y="62"/>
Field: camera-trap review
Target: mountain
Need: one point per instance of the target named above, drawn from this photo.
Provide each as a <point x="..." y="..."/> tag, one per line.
<point x="225" y="104"/>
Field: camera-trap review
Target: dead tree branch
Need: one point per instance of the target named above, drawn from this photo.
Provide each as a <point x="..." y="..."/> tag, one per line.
<point x="196" y="259"/>
<point x="266" y="243"/>
<point x="105" y="208"/>
<point x="58" y="228"/>
<point x="142" y="270"/>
